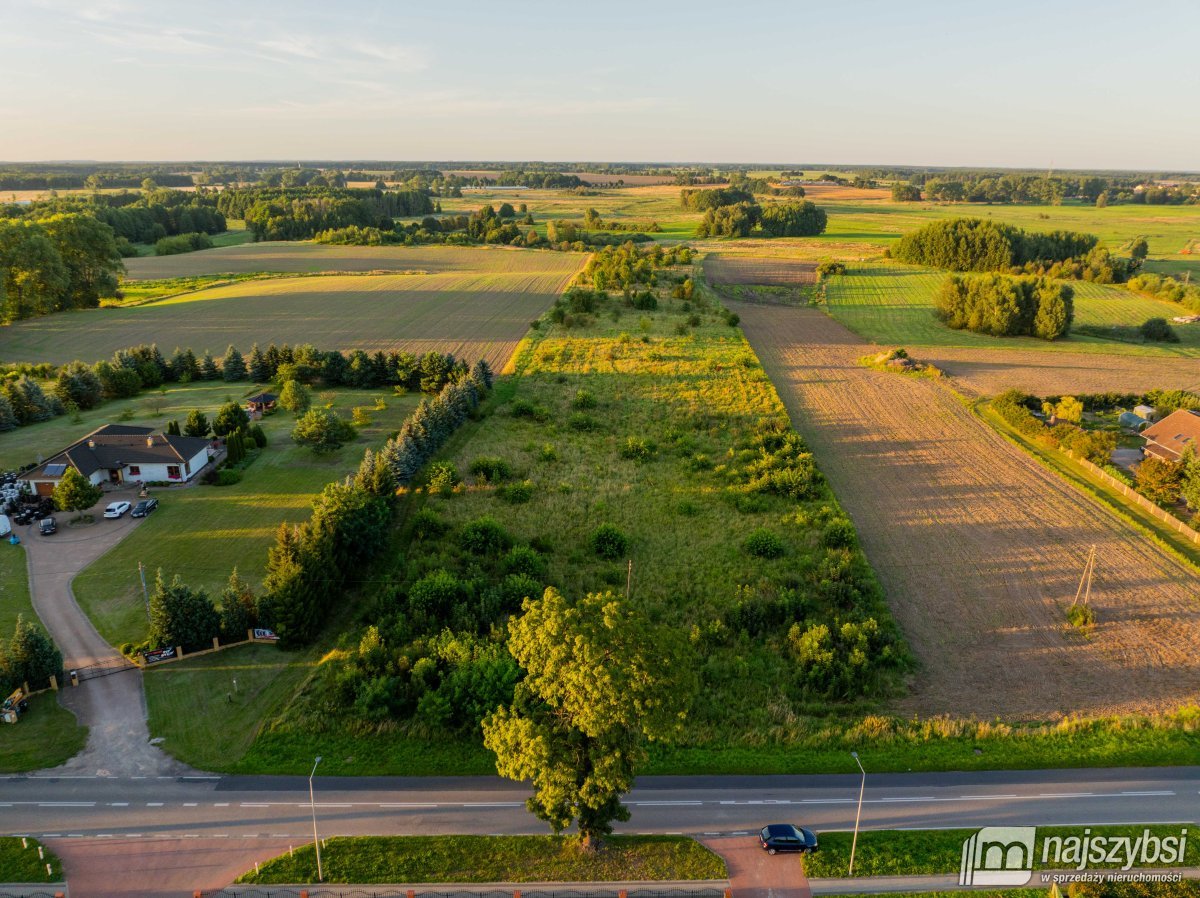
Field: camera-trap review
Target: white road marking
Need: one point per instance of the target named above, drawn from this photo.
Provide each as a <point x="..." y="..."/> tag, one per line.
<point x="66" y="804"/>
<point x="154" y="804"/>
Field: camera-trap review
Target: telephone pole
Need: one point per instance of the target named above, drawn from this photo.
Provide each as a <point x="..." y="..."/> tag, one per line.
<point x="1085" y="581"/>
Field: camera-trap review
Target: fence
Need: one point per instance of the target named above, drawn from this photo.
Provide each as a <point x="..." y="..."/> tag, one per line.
<point x="530" y="890"/>
<point x="1135" y="497"/>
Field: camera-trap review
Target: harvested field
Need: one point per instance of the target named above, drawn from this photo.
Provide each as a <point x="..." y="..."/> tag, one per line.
<point x="473" y="315"/>
<point x="721" y="270"/>
<point x="588" y="177"/>
<point x="300" y="258"/>
<point x="979" y="547"/>
<point x="988" y="372"/>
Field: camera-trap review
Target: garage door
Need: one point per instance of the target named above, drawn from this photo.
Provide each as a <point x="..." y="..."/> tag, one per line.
<point x="44" y="488"/>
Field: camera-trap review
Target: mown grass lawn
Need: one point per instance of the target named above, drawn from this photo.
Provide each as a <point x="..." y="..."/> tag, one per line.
<point x="916" y="852"/>
<point x="893" y="305"/>
<point x="19" y="862"/>
<point x="209" y="709"/>
<point x="412" y="859"/>
<point x="202" y="532"/>
<point x="47" y="734"/>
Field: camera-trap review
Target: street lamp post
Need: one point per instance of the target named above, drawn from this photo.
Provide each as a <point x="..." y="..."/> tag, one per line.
<point x="313" y="803"/>
<point x="858" y="814"/>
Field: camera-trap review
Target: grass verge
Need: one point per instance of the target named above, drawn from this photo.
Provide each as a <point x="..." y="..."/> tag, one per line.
<point x="1162" y="534"/>
<point x="917" y="852"/>
<point x="19" y="862"/>
<point x="494" y="859"/>
<point x="46" y="735"/>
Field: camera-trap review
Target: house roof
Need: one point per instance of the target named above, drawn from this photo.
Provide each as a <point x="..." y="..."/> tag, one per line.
<point x="1168" y="437"/>
<point x="262" y="398"/>
<point x="116" y="445"/>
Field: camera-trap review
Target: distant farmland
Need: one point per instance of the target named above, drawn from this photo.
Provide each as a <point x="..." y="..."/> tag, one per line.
<point x="721" y="270"/>
<point x="475" y="312"/>
<point x="302" y="258"/>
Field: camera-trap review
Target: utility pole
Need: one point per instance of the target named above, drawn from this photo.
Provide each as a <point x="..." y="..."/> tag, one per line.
<point x="629" y="579"/>
<point x="858" y="814"/>
<point x="1085" y="581"/>
<point x="145" y="591"/>
<point x="313" y="803"/>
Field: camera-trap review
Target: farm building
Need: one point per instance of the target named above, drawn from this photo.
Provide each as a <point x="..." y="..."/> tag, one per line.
<point x="1133" y="421"/>
<point x="1170" y="436"/>
<point x="118" y="453"/>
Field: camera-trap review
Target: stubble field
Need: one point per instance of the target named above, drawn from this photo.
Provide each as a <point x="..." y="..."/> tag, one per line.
<point x="478" y="304"/>
<point x="979" y="548"/>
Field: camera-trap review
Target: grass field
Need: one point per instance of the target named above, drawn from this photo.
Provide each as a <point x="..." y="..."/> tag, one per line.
<point x="917" y="852"/>
<point x="47" y="735"/>
<point x="893" y="305"/>
<point x="473" y="316"/>
<point x="185" y="701"/>
<point x="382" y="859"/>
<point x="979" y="548"/>
<point x="203" y="532"/>
<point x="19" y="862"/>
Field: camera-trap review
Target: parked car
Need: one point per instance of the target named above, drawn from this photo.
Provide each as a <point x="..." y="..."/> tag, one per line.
<point x="47" y="526"/>
<point x="144" y="508"/>
<point x="116" y="509"/>
<point x="777" y="837"/>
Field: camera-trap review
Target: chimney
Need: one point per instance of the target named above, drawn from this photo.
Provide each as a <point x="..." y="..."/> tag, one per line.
<point x="91" y="444"/>
<point x="150" y="441"/>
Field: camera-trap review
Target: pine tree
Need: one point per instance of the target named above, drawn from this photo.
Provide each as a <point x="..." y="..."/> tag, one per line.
<point x="173" y="428"/>
<point x="233" y="366"/>
<point x="196" y="424"/>
<point x="483" y="373"/>
<point x="208" y="368"/>
<point x="32" y="657"/>
<point x="8" y="418"/>
<point x="258" y="369"/>
<point x="272" y="358"/>
<point x="34" y="400"/>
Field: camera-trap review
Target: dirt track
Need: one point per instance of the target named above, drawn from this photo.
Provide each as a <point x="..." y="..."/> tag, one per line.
<point x="978" y="547"/>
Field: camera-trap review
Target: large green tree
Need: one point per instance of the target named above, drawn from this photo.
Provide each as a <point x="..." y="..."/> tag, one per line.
<point x="181" y="616"/>
<point x="322" y="430"/>
<point x="75" y="492"/>
<point x="600" y="681"/>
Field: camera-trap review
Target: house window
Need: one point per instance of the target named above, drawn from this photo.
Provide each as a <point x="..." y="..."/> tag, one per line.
<point x="172" y="472"/>
<point x="135" y="471"/>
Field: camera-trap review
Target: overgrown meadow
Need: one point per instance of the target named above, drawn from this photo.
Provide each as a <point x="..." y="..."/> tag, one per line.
<point x="644" y="436"/>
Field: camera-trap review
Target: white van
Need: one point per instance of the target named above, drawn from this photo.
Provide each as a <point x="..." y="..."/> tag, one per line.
<point x="5" y="526"/>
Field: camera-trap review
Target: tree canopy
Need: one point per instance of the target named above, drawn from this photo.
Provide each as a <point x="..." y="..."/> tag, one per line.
<point x="600" y="681"/>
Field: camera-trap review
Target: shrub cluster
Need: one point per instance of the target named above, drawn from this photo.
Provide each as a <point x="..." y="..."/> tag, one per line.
<point x="974" y="244"/>
<point x="1094" y="445"/>
<point x="29" y="656"/>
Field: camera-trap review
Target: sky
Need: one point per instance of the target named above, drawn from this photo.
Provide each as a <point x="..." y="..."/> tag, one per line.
<point x="1050" y="84"/>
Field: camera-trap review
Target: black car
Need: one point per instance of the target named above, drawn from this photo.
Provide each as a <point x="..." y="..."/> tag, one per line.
<point x="779" y="837"/>
<point x="144" y="508"/>
<point x="47" y="526"/>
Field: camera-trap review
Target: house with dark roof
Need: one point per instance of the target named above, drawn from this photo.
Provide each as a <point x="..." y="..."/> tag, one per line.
<point x="119" y="453"/>
<point x="1170" y="436"/>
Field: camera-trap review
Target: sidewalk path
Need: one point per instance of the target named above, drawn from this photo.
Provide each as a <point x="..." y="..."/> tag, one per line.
<point x="755" y="874"/>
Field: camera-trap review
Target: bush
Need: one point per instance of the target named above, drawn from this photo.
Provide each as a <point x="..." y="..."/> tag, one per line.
<point x="427" y="525"/>
<point x="490" y="469"/>
<point x="609" y="543"/>
<point x="228" y="477"/>
<point x="484" y="536"/>
<point x="322" y="430"/>
<point x="436" y="594"/>
<point x="516" y="493"/>
<point x="762" y="543"/>
<point x="581" y="422"/>
<point x="523" y="560"/>
<point x="583" y="400"/>
<point x="638" y="448"/>
<point x="829" y="268"/>
<point x="443" y="476"/>
<point x="839" y="534"/>
<point x="522" y="408"/>
<point x="1158" y="330"/>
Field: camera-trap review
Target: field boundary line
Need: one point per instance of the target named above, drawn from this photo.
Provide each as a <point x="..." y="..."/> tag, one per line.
<point x="1070" y="470"/>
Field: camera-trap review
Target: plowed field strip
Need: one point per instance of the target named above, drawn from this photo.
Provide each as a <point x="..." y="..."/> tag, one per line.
<point x="978" y="547"/>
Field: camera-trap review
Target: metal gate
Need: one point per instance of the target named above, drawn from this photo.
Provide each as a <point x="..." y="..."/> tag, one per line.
<point x="102" y="668"/>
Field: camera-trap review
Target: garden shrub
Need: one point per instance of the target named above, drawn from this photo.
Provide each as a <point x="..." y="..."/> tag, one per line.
<point x="516" y="493"/>
<point x="523" y="560"/>
<point x="427" y="525"/>
<point x="638" y="448"/>
<point x="583" y="400"/>
<point x="443" y="476"/>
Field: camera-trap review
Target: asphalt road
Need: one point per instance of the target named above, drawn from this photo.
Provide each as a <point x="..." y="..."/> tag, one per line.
<point x="154" y="807"/>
